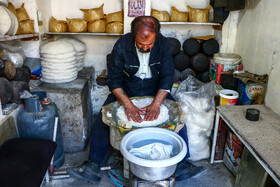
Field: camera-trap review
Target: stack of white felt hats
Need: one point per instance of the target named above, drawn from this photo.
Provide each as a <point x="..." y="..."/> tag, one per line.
<point x="58" y="61"/>
<point x="8" y="21"/>
<point x="80" y="49"/>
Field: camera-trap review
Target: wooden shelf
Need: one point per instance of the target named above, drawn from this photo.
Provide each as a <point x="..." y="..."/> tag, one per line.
<point x="190" y="23"/>
<point x="84" y="33"/>
<point x="24" y="37"/>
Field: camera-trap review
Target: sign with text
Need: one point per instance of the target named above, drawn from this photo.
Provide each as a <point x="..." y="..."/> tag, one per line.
<point x="136" y="8"/>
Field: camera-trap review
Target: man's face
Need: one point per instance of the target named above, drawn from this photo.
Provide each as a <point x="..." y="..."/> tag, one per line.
<point x="145" y="41"/>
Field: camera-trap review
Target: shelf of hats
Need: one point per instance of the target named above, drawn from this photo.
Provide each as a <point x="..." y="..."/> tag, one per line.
<point x="16" y="23"/>
<point x="96" y="22"/>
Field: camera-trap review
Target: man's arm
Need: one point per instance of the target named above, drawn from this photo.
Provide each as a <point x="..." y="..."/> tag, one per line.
<point x="153" y="110"/>
<point x="131" y="111"/>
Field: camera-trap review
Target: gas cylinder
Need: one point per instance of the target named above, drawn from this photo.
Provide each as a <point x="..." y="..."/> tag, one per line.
<point x="37" y="121"/>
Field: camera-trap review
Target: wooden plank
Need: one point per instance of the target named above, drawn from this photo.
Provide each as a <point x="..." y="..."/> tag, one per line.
<point x="24" y="37"/>
<point x="83" y="33"/>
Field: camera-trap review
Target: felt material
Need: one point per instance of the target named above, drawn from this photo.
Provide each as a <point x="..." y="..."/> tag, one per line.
<point x="99" y="143"/>
<point x="174" y="44"/>
<point x="181" y="61"/>
<point x="191" y="46"/>
<point x="24" y="161"/>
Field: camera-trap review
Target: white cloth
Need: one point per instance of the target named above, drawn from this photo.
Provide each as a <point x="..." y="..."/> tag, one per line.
<point x="153" y="151"/>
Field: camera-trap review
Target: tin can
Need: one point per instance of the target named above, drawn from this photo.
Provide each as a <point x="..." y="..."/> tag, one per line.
<point x="250" y="94"/>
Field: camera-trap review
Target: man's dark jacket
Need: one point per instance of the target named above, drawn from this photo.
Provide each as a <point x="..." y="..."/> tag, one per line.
<point x="124" y="65"/>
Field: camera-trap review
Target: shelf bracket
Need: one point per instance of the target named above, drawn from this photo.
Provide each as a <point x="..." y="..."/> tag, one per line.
<point x="46" y="36"/>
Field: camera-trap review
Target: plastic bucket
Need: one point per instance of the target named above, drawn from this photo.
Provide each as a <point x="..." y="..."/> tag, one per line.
<point x="224" y="63"/>
<point x="228" y="97"/>
<point x="227" y="58"/>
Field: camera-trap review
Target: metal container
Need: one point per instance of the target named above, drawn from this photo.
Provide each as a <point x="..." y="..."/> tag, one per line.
<point x="37" y="121"/>
<point x="136" y="182"/>
<point x="153" y="170"/>
<point x="152" y="173"/>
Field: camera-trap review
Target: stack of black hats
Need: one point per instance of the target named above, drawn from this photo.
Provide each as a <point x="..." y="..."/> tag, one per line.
<point x="193" y="59"/>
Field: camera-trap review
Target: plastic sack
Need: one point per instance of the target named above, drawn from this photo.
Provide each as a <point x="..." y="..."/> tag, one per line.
<point x="26" y="27"/>
<point x="93" y="14"/>
<point x="22" y="14"/>
<point x="14" y="46"/>
<point x="199" y="15"/>
<point x="116" y="16"/>
<point x="57" y="25"/>
<point x="114" y="27"/>
<point x="77" y="25"/>
<point x="160" y="15"/>
<point x="197" y="101"/>
<point x="177" y="16"/>
<point x="97" y="26"/>
<point x="12" y="8"/>
<point x="15" y="58"/>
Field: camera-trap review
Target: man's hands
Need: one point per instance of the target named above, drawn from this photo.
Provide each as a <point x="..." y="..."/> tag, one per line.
<point x="132" y="112"/>
<point x="152" y="112"/>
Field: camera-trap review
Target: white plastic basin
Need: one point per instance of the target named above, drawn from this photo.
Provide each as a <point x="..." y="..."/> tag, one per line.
<point x="153" y="170"/>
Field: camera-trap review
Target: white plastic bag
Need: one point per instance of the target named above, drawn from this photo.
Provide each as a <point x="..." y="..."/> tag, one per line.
<point x="197" y="101"/>
<point x="13" y="46"/>
<point x="15" y="58"/>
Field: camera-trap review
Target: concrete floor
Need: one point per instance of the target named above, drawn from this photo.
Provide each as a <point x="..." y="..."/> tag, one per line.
<point x="215" y="175"/>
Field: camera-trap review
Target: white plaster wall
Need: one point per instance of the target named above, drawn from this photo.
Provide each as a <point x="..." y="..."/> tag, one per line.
<point x="128" y="20"/>
<point x="181" y="32"/>
<point x="257" y="41"/>
<point x="181" y="5"/>
<point x="45" y="8"/>
<point x="71" y="8"/>
<point x="99" y="46"/>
